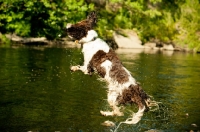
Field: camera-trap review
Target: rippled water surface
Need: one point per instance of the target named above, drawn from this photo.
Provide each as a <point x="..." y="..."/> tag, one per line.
<point x="39" y="93"/>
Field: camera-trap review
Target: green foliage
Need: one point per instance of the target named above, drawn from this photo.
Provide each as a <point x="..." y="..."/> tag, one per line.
<point x="189" y="24"/>
<point x="40" y="18"/>
<point x="163" y="20"/>
<point x="154" y="20"/>
<point x="141" y="15"/>
<point x="5" y="41"/>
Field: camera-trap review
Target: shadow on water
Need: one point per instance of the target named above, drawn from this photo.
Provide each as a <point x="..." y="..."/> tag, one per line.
<point x="40" y="93"/>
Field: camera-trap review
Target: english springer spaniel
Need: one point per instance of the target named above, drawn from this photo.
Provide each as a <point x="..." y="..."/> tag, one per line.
<point x="99" y="57"/>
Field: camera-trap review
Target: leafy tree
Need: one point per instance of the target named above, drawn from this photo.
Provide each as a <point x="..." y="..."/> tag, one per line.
<point x="188" y="24"/>
<point x="162" y="20"/>
<point x="40" y="17"/>
<point x="144" y="16"/>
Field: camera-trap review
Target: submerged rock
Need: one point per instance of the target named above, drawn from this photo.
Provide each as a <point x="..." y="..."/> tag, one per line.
<point x="194" y="125"/>
<point x="154" y="130"/>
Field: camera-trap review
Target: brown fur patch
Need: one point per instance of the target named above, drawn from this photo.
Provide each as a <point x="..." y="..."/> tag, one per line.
<point x="80" y="29"/>
<point x="95" y="63"/>
<point x="133" y="94"/>
<point x="117" y="71"/>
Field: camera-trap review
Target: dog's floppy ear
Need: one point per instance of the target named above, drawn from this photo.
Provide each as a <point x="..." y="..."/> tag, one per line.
<point x="91" y="15"/>
<point x="92" y="18"/>
<point x="80" y="29"/>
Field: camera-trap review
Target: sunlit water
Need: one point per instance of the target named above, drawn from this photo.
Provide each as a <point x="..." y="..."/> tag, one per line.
<point x="40" y="93"/>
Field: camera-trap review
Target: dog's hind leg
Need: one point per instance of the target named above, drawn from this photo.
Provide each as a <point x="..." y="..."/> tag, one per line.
<point x="136" y="117"/>
<point x="112" y="97"/>
<point x="115" y="112"/>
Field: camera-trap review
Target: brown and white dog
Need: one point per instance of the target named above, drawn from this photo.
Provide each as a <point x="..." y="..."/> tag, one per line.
<point x="99" y="57"/>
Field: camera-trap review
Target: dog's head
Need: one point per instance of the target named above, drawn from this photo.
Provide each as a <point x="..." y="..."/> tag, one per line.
<point x="82" y="31"/>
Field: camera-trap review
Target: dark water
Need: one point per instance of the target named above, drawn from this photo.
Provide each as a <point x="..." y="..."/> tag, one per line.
<point x="39" y="93"/>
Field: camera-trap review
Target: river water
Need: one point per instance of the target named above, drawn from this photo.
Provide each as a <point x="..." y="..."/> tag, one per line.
<point x="39" y="93"/>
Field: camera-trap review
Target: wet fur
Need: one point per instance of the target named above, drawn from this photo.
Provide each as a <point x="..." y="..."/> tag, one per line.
<point x="122" y="87"/>
<point x="132" y="94"/>
<point x="80" y="29"/>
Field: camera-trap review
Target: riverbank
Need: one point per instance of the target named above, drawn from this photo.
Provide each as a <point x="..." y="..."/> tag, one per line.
<point x="126" y="39"/>
<point x="132" y="41"/>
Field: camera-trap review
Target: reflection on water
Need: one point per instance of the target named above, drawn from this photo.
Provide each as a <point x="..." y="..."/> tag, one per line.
<point x="39" y="93"/>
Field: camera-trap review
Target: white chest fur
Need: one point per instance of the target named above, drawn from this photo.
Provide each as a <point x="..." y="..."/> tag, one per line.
<point x="91" y="48"/>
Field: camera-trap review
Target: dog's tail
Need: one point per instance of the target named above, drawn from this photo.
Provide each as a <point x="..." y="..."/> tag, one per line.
<point x="149" y="105"/>
<point x="145" y="103"/>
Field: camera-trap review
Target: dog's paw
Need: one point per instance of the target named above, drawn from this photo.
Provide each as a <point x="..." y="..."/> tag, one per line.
<point x="111" y="113"/>
<point x="75" y="68"/>
<point x="86" y="72"/>
<point x="119" y="114"/>
<point x="132" y="121"/>
<point x="106" y="113"/>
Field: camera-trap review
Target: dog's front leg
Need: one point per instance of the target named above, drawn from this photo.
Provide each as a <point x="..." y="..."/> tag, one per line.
<point x="81" y="68"/>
